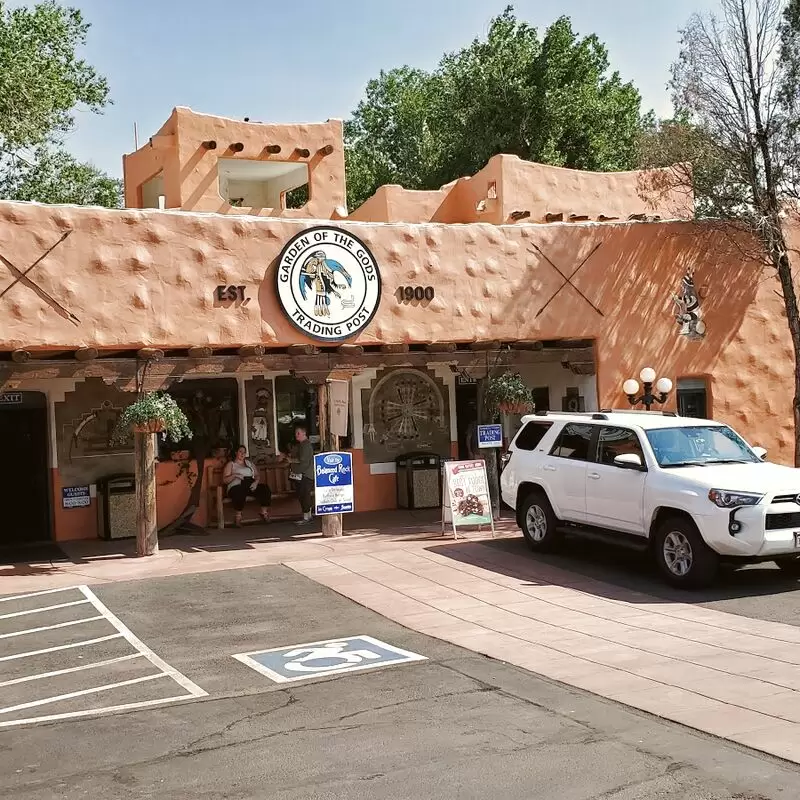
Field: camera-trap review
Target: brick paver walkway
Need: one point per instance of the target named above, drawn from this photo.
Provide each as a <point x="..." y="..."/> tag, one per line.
<point x="730" y="676"/>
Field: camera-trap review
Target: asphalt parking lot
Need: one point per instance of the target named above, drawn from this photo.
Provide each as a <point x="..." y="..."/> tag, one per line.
<point x="202" y="723"/>
<point x="65" y="655"/>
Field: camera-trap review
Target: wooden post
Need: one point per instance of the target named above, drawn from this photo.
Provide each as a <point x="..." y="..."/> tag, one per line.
<point x="492" y="472"/>
<point x="145" y="472"/>
<point x="331" y="523"/>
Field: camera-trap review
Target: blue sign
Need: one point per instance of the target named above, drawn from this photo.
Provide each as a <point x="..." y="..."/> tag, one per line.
<point x="490" y="435"/>
<point x="75" y="497"/>
<point x="320" y="659"/>
<point x="333" y="483"/>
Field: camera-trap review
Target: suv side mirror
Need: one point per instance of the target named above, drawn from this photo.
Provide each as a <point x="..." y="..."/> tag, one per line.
<point x="760" y="452"/>
<point x="629" y="461"/>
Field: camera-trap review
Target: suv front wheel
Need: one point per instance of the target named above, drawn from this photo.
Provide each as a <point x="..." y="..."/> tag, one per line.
<point x="539" y="522"/>
<point x="684" y="559"/>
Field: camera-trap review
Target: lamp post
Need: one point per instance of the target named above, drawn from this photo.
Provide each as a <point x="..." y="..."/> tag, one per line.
<point x="663" y="386"/>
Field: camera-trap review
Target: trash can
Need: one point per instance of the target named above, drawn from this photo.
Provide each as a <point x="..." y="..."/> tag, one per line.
<point x="419" y="480"/>
<point x="116" y="507"/>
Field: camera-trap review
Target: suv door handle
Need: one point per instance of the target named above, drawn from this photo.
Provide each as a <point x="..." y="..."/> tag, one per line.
<point x="548" y="468"/>
<point x="594" y="476"/>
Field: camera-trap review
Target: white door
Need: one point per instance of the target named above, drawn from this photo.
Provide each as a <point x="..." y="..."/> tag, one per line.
<point x="615" y="495"/>
<point x="565" y="471"/>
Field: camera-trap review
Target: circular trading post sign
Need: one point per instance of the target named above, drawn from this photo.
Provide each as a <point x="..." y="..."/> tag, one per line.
<point x="328" y="283"/>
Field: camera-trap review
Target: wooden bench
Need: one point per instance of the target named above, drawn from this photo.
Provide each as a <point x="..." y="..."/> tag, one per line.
<point x="275" y="476"/>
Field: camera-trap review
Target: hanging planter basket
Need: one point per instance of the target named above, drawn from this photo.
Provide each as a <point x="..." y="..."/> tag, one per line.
<point x="512" y="407"/>
<point x="508" y="394"/>
<point x="151" y="426"/>
<point x="155" y="412"/>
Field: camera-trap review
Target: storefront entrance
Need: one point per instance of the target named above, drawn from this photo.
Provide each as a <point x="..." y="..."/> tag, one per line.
<point x="24" y="474"/>
<point x="466" y="412"/>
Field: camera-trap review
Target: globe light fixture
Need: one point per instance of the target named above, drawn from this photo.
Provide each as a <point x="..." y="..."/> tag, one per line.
<point x="630" y="387"/>
<point x="653" y="391"/>
<point x="663" y="385"/>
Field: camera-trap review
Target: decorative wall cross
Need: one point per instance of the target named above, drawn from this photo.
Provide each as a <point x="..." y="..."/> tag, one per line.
<point x="568" y="280"/>
<point x="21" y="276"/>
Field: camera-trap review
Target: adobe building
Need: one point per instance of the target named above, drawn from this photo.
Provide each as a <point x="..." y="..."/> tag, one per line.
<point x="237" y="280"/>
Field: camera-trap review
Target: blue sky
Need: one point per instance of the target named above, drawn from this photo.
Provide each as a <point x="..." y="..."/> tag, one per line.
<point x="307" y="61"/>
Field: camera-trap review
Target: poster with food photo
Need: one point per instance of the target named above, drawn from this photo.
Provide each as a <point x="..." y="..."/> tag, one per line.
<point x="468" y="492"/>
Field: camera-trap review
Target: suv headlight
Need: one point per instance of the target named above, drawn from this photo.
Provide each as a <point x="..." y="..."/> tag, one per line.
<point x="726" y="499"/>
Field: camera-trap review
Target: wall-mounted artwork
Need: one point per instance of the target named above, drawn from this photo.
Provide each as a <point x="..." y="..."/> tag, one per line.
<point x="260" y="420"/>
<point x="688" y="313"/>
<point x="84" y="422"/>
<point x="92" y="432"/>
<point x="405" y="411"/>
<point x="573" y="401"/>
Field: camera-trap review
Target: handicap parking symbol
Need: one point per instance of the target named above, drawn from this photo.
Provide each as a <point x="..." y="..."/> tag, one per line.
<point x="330" y="657"/>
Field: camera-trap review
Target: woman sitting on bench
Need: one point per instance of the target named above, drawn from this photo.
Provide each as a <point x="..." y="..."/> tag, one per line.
<point x="240" y="477"/>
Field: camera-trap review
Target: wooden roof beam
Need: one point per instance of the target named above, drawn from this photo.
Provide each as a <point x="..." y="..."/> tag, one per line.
<point x="441" y="347"/>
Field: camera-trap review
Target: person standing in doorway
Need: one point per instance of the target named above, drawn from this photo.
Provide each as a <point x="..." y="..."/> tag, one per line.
<point x="301" y="471"/>
<point x="473" y="451"/>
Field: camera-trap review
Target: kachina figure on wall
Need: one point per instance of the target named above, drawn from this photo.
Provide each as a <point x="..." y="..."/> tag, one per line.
<point x="688" y="313"/>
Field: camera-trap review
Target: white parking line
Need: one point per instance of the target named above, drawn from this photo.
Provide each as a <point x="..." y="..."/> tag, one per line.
<point x="38" y="594"/>
<point x="50" y="627"/>
<point x="93" y="690"/>
<point x="190" y="687"/>
<point x="71" y="669"/>
<point x="40" y="609"/>
<point x="61" y="647"/>
<point x="141" y="650"/>
<point x="92" y="712"/>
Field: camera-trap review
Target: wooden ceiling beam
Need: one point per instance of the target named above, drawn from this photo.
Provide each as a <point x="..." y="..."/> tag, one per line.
<point x="441" y="347"/>
<point x="252" y="351"/>
<point x="86" y="354"/>
<point x="150" y="354"/>
<point x="302" y="350"/>
<point x="484" y="346"/>
<point x="350" y="349"/>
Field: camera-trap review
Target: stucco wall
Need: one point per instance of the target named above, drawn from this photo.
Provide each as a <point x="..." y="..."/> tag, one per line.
<point x="129" y="278"/>
<point x="507" y="185"/>
<point x="190" y="170"/>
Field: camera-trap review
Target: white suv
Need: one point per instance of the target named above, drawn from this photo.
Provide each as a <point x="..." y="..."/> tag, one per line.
<point x="691" y="490"/>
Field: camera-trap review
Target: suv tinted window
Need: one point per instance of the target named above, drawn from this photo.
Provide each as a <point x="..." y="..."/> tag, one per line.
<point x="573" y="442"/>
<point x="614" y="442"/>
<point x="530" y="436"/>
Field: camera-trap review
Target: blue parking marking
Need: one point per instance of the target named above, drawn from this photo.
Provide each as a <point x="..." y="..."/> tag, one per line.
<point x="330" y="657"/>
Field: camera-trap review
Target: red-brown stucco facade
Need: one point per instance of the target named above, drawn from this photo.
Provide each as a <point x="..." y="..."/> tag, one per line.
<point x="566" y="277"/>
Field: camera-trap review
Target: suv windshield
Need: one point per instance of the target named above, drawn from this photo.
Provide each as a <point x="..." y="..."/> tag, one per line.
<point x="699" y="445"/>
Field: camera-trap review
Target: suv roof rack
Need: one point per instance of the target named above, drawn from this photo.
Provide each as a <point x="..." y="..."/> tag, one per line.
<point x="637" y="411"/>
<point x="602" y="414"/>
<point x="563" y="413"/>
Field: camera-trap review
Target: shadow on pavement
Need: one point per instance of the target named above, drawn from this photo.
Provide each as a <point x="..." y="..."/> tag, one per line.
<point x="424" y="525"/>
<point x="614" y="573"/>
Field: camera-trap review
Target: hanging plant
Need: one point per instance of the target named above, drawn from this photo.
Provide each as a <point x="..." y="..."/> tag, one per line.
<point x="155" y="412"/>
<point x="508" y="394"/>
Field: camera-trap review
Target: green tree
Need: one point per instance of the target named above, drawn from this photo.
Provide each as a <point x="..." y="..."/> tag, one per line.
<point x="735" y="142"/>
<point x="550" y="100"/>
<point x="54" y="176"/>
<point x="388" y="137"/>
<point x="43" y="83"/>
